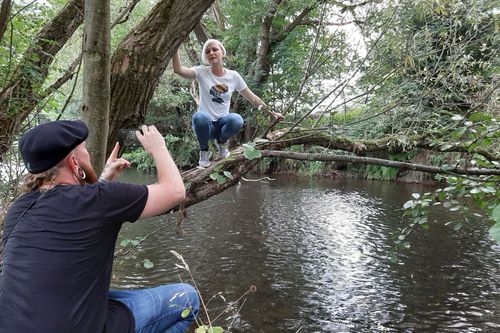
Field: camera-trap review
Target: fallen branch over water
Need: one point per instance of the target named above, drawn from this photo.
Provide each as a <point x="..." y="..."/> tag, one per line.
<point x="378" y="161"/>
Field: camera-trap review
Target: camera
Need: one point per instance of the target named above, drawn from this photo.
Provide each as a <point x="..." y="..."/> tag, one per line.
<point x="127" y="139"/>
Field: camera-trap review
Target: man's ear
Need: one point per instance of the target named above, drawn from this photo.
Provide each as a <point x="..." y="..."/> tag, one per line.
<point x="72" y="163"/>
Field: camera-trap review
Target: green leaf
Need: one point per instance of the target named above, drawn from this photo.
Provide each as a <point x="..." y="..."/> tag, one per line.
<point x="125" y="242"/>
<point x="250" y="152"/>
<point x="201" y="329"/>
<point x="458" y="226"/>
<point x="423" y="220"/>
<point x="488" y="189"/>
<point x="446" y="146"/>
<point x="185" y="313"/>
<point x="409" y="204"/>
<point x="495" y="231"/>
<point x="228" y="174"/>
<point x="477" y="117"/>
<point x="218" y="177"/>
<point x="148" y="264"/>
<point x="495" y="214"/>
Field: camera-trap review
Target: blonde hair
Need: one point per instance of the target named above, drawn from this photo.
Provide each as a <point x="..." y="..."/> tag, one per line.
<point x="210" y="41"/>
<point x="32" y="182"/>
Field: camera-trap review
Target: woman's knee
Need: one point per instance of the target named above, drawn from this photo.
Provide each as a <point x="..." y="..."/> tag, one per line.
<point x="235" y="120"/>
<point x="201" y="118"/>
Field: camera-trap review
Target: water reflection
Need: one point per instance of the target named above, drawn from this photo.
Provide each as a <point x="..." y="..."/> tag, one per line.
<point x="317" y="252"/>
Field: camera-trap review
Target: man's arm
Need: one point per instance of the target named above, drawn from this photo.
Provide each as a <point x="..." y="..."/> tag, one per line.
<point x="185" y="72"/>
<point x="169" y="191"/>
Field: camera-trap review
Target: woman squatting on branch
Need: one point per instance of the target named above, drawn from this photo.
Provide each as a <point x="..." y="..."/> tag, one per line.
<point x="216" y="85"/>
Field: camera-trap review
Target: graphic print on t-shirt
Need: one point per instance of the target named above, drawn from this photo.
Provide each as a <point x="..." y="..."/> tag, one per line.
<point x="216" y="91"/>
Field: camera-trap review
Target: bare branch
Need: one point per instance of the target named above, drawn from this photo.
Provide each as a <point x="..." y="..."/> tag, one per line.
<point x="219" y="15"/>
<point x="377" y="161"/>
<point x="295" y="22"/>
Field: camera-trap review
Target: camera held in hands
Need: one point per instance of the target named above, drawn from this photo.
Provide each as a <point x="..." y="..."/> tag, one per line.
<point x="127" y="139"/>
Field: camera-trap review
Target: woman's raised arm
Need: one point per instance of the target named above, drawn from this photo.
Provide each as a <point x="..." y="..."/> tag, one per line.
<point x="185" y="72"/>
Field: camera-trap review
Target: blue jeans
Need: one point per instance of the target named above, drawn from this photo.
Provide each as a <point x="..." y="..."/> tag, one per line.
<point x="221" y="129"/>
<point x="158" y="310"/>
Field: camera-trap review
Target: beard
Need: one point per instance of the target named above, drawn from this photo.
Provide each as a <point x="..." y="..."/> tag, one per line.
<point x="91" y="177"/>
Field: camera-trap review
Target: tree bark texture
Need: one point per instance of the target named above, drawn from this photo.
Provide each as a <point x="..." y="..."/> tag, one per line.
<point x="141" y="58"/>
<point x="4" y="16"/>
<point x="20" y="95"/>
<point x="96" y="78"/>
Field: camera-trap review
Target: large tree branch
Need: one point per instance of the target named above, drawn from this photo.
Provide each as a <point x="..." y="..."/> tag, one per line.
<point x="200" y="186"/>
<point x="378" y="161"/>
<point x="141" y="58"/>
<point x="293" y="24"/>
<point x="19" y="97"/>
<point x="319" y="137"/>
<point x="122" y="17"/>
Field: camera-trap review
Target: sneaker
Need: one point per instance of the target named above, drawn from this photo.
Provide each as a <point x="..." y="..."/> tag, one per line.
<point x="204" y="161"/>
<point x="222" y="149"/>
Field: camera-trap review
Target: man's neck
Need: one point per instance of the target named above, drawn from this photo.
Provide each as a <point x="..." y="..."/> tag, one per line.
<point x="61" y="179"/>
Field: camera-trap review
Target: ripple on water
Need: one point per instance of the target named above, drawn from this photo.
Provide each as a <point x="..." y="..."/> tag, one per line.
<point x="318" y="253"/>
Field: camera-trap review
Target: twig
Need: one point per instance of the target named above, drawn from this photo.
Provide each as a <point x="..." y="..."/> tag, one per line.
<point x="257" y="180"/>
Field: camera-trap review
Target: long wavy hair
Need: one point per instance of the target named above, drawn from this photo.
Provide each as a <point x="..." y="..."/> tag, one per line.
<point x="32" y="182"/>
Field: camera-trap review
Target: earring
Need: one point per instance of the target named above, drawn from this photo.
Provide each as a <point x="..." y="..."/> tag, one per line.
<point x="81" y="173"/>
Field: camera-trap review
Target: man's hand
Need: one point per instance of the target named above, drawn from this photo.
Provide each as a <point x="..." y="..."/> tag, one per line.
<point x="114" y="165"/>
<point x="151" y="139"/>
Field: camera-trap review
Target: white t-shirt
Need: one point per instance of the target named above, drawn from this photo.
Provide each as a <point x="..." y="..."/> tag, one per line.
<point x="215" y="91"/>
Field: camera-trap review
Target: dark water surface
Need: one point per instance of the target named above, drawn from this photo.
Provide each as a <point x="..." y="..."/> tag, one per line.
<point x="317" y="251"/>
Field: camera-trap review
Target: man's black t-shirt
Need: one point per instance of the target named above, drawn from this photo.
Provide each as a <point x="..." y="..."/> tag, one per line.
<point x="58" y="256"/>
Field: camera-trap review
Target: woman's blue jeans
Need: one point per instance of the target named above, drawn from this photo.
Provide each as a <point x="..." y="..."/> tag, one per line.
<point x="158" y="310"/>
<point x="220" y="130"/>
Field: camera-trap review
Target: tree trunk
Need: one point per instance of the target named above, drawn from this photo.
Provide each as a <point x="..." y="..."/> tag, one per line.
<point x="96" y="78"/>
<point x="4" y="16"/>
<point x="262" y="66"/>
<point x="20" y="95"/>
<point x="141" y="58"/>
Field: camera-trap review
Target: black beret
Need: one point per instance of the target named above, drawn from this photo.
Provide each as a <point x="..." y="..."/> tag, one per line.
<point x="45" y="145"/>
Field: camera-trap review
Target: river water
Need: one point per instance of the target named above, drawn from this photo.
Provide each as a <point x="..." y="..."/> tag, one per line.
<point x="317" y="250"/>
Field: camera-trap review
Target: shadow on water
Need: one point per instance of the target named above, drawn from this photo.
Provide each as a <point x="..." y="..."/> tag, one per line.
<point x="317" y="251"/>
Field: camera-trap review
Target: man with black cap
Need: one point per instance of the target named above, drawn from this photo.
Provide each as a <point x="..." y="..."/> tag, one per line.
<point x="59" y="239"/>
